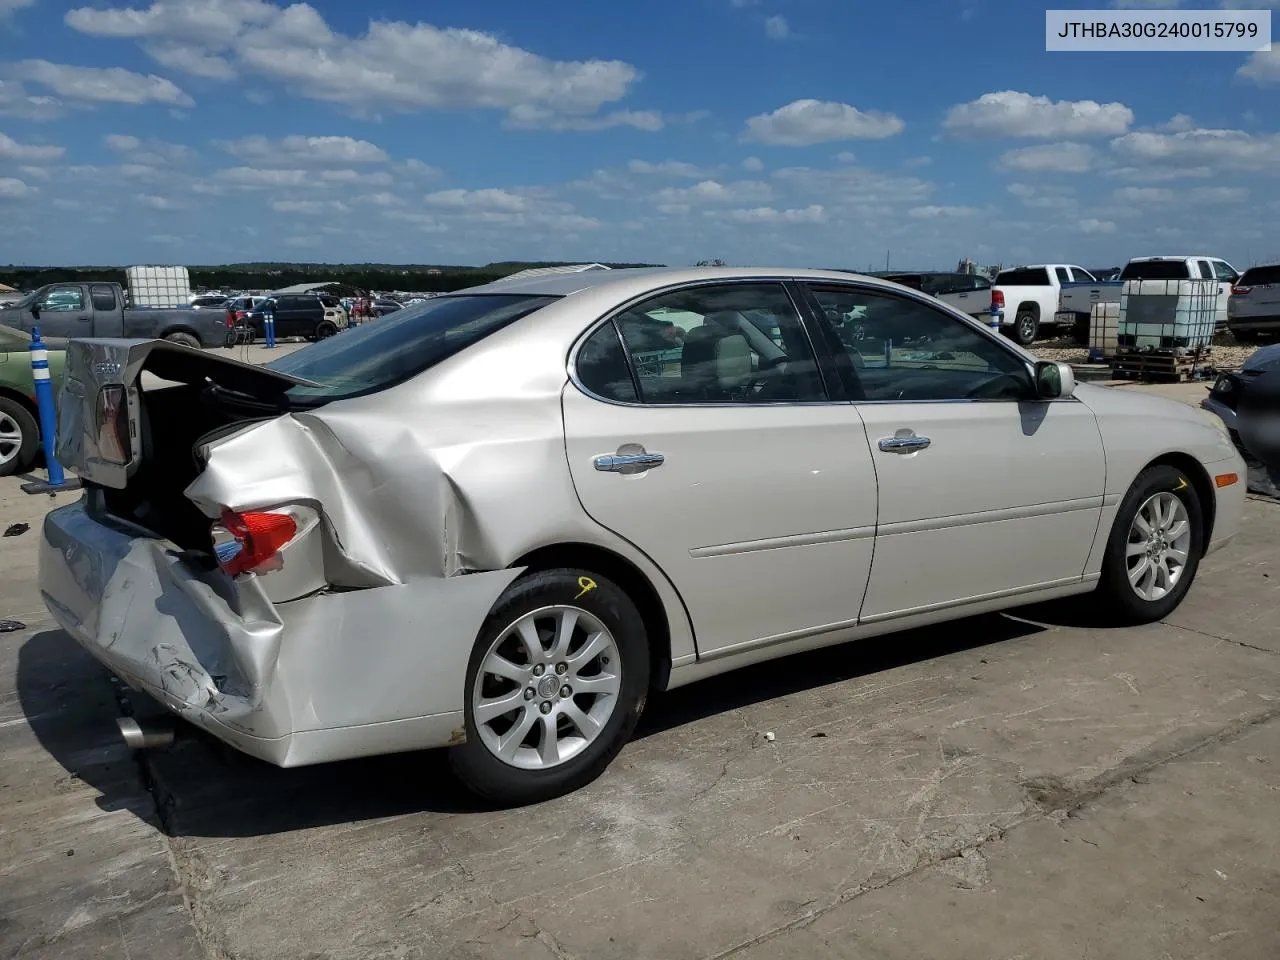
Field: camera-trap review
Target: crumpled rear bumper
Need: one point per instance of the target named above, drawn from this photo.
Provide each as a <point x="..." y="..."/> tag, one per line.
<point x="325" y="677"/>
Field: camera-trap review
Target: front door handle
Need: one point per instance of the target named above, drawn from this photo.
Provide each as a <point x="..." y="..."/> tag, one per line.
<point x="907" y="444"/>
<point x="627" y="462"/>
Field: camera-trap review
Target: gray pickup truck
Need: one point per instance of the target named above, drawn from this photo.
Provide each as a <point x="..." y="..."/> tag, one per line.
<point x="67" y="310"/>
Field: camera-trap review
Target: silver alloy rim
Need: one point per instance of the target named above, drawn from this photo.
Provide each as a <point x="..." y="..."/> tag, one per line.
<point x="1026" y="328"/>
<point x="1158" y="546"/>
<point x="546" y="687"/>
<point x="10" y="438"/>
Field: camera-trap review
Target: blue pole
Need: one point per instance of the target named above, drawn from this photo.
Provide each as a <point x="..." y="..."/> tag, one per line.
<point x="996" y="314"/>
<point x="45" y="403"/>
<point x="269" y="321"/>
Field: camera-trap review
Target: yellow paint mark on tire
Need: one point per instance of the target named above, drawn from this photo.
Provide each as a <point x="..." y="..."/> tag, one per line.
<point x="587" y="585"/>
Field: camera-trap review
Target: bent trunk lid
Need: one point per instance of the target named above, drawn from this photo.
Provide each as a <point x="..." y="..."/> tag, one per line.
<point x="99" y="413"/>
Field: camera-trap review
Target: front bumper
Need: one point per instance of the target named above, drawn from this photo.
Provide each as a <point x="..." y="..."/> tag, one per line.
<point x="326" y="677"/>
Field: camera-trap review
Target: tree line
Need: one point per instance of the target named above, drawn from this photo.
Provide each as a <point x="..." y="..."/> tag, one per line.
<point x="417" y="278"/>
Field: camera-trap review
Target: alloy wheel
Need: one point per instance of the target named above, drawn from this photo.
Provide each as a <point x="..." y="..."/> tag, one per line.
<point x="10" y="438"/>
<point x="1158" y="546"/>
<point x="547" y="687"/>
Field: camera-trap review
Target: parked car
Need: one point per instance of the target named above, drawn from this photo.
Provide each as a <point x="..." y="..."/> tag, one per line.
<point x="1077" y="300"/>
<point x="64" y="310"/>
<point x="1224" y="397"/>
<point x="211" y="302"/>
<point x="335" y="555"/>
<point x="383" y="307"/>
<point x="1253" y="310"/>
<point x="297" y="315"/>
<point x="967" y="292"/>
<point x="19" y="416"/>
<point x="1029" y="297"/>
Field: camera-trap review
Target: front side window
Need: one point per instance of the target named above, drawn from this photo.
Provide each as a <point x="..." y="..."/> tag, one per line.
<point x="1223" y="271"/>
<point x="904" y="350"/>
<point x="727" y="343"/>
<point x="62" y="299"/>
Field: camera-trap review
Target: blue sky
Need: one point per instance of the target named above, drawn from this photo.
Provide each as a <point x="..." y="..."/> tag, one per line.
<point x="788" y="132"/>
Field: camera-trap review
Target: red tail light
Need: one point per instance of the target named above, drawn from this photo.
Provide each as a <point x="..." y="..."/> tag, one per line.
<point x="251" y="542"/>
<point x="1240" y="291"/>
<point x="997" y="298"/>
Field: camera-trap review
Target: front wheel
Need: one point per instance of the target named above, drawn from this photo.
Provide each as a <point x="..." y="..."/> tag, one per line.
<point x="555" y="685"/>
<point x="1155" y="546"/>
<point x="19" y="437"/>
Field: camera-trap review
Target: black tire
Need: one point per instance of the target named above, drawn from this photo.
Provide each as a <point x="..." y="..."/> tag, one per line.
<point x="325" y="329"/>
<point x="1121" y="599"/>
<point x="1025" y="327"/>
<point x="11" y="411"/>
<point x="185" y="339"/>
<point x="1080" y="329"/>
<point x="499" y="782"/>
<point x="1246" y="336"/>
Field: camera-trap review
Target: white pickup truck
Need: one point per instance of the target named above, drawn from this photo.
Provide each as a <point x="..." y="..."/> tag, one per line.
<point x="1077" y="300"/>
<point x="1029" y="296"/>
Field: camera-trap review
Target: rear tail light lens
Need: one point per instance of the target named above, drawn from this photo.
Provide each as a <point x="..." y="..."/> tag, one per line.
<point x="112" y="421"/>
<point x="251" y="542"/>
<point x="1240" y="291"/>
<point x="997" y="298"/>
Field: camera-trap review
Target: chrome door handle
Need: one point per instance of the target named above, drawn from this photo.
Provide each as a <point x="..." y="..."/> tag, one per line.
<point x="903" y="444"/>
<point x="628" y="462"/>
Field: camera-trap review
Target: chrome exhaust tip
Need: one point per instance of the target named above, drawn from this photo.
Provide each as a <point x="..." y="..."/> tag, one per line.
<point x="138" y="737"/>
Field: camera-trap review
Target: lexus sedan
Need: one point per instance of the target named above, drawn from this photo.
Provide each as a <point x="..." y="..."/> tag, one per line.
<point x="500" y="520"/>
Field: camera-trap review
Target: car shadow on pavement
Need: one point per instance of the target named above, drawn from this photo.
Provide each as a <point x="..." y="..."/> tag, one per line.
<point x="204" y="788"/>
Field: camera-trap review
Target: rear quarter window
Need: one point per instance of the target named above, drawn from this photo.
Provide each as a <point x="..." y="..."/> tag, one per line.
<point x="1035" y="277"/>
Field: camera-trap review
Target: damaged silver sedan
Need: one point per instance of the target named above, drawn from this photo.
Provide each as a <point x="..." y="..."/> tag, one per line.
<point x="499" y="519"/>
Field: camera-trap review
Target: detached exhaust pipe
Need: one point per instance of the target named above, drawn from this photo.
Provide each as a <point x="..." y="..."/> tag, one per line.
<point x="138" y="737"/>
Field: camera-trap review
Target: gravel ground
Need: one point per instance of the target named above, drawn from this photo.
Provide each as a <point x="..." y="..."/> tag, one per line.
<point x="1226" y="355"/>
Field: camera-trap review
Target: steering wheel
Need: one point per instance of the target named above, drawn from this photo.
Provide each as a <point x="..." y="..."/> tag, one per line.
<point x="1004" y="387"/>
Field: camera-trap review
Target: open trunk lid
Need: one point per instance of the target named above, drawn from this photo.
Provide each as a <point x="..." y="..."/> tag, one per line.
<point x="100" y="429"/>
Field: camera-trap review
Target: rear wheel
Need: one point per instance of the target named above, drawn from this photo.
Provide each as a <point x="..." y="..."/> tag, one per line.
<point x="325" y="329"/>
<point x="1025" y="327"/>
<point x="185" y="339"/>
<point x="1155" y="546"/>
<point x="1245" y="336"/>
<point x="19" y="437"/>
<point x="555" y="685"/>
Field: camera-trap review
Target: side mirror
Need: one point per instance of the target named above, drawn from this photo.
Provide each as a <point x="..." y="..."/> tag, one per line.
<point x="35" y="311"/>
<point x="1054" y="380"/>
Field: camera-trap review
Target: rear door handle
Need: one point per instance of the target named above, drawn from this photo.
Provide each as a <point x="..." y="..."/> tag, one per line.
<point x="909" y="444"/>
<point x="628" y="463"/>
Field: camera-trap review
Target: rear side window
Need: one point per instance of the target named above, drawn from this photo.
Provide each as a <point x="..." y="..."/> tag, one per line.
<point x="1156" y="270"/>
<point x="403" y="344"/>
<point x="1260" y="276"/>
<point x="1064" y="275"/>
<point x="1033" y="277"/>
<point x="103" y="296"/>
<point x="1206" y="271"/>
<point x="603" y="369"/>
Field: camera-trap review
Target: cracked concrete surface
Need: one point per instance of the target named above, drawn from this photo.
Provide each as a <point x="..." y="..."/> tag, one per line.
<point x="1000" y="787"/>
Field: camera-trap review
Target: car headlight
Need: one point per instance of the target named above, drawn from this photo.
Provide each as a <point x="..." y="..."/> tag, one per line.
<point x="1223" y="385"/>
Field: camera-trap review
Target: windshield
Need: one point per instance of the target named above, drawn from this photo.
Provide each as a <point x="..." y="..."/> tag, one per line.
<point x="378" y="355"/>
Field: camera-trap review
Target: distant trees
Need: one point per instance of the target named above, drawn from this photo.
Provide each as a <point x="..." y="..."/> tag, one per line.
<point x="710" y="263"/>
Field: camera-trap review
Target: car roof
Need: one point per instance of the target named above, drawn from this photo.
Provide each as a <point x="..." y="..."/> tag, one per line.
<point x="564" y="284"/>
<point x="1194" y="256"/>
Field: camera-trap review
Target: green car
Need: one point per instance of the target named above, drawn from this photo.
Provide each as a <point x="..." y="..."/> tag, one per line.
<point x="19" y="422"/>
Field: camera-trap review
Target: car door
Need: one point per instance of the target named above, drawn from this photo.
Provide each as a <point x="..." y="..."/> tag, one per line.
<point x="983" y="492"/>
<point x="64" y="312"/>
<point x="697" y="427"/>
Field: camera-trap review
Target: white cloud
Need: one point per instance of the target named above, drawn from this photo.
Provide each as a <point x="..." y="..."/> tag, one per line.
<point x="416" y="168"/>
<point x="1094" y="225"/>
<point x="309" y="207"/>
<point x="258" y="177"/>
<point x="1159" y="174"/>
<point x="527" y="117"/>
<point x="712" y="191"/>
<point x="294" y="150"/>
<point x="36" y="173"/>
<point x="487" y="199"/>
<point x="1178" y="123"/>
<point x="15" y="101"/>
<point x="917" y="162"/>
<point x="846" y="156"/>
<point x="1010" y="113"/>
<point x="393" y="66"/>
<point x="11" y="149"/>
<point x="667" y="168"/>
<point x="1043" y="197"/>
<point x="806" y="122"/>
<point x="1065" y="157"/>
<point x="8" y="7"/>
<point x="12" y="188"/>
<point x="149" y="153"/>
<point x="157" y="202"/>
<point x="1166" y="195"/>
<point x="1219" y="149"/>
<point x="99" y="84"/>
<point x="1263" y="66"/>
<point x="931" y="212"/>
<point x="777" y="28"/>
<point x="814" y="213"/>
<point x="753" y="164"/>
